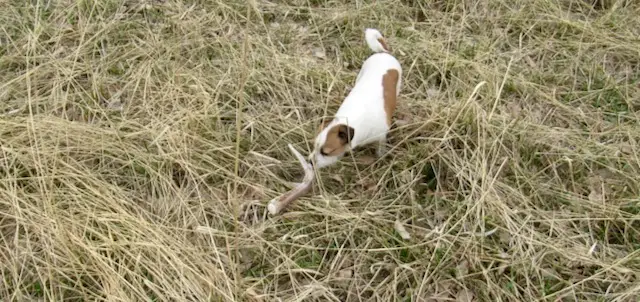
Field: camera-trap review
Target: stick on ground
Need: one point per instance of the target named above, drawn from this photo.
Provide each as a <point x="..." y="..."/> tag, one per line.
<point x="278" y="204"/>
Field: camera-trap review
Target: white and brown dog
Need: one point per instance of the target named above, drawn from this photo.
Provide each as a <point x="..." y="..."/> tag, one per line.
<point x="363" y="118"/>
<point x="365" y="114"/>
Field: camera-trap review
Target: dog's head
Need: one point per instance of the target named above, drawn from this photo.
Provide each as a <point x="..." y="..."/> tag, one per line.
<point x="331" y="144"/>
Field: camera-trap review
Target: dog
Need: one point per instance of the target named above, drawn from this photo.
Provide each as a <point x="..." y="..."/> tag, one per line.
<point x="365" y="115"/>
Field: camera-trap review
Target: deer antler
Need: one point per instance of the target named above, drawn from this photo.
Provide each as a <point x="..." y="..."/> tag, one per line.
<point x="277" y="204"/>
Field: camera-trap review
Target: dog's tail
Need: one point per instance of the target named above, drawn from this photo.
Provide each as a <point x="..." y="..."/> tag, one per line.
<point x="376" y="41"/>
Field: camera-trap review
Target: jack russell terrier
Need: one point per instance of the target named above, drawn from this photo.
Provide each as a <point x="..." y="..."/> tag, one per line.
<point x="365" y="114"/>
<point x="363" y="118"/>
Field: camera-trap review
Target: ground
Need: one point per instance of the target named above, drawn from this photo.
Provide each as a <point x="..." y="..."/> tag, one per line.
<point x="141" y="141"/>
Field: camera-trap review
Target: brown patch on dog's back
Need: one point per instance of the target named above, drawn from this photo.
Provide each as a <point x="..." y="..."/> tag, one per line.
<point x="384" y="44"/>
<point x="389" y="87"/>
<point x="337" y="139"/>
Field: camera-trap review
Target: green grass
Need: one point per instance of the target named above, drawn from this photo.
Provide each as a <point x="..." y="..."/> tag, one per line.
<point x="141" y="140"/>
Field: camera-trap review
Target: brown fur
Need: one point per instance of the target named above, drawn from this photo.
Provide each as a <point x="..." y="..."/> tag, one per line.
<point x="389" y="85"/>
<point x="337" y="139"/>
<point x="384" y="45"/>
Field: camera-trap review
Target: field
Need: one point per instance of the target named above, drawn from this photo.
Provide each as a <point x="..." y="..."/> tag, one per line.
<point x="140" y="142"/>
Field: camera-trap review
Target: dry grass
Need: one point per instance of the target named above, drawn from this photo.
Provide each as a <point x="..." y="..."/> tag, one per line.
<point x="140" y="142"/>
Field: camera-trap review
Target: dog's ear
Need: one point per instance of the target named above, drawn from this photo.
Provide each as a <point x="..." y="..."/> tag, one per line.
<point x="337" y="140"/>
<point x="346" y="133"/>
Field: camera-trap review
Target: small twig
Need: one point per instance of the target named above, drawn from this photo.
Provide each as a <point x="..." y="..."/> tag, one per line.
<point x="277" y="204"/>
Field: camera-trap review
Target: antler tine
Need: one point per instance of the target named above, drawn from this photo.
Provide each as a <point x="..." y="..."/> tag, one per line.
<point x="277" y="204"/>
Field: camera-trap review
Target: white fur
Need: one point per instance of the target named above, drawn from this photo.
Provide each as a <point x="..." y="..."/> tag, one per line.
<point x="363" y="108"/>
<point x="371" y="36"/>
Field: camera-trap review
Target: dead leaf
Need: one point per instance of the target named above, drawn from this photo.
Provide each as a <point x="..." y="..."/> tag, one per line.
<point x="502" y="269"/>
<point x="626" y="149"/>
<point x="505" y="238"/>
<point x="246" y="260"/>
<point x="402" y="122"/>
<point x="444" y="286"/>
<point x="367" y="184"/>
<point x="439" y="216"/>
<point x="345" y="273"/>
<point x="514" y="109"/>
<point x="337" y="178"/>
<point x="401" y="230"/>
<point x="503" y="255"/>
<point x="596" y="195"/>
<point x="595" y="184"/>
<point x="406" y="176"/>
<point x="410" y="28"/>
<point x="442" y="292"/>
<point x="367" y="160"/>
<point x="432" y="92"/>
<point x="465" y="295"/>
<point x="252" y="296"/>
<point x="594" y="180"/>
<point x="593" y="248"/>
<point x="319" y="53"/>
<point x="462" y="269"/>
